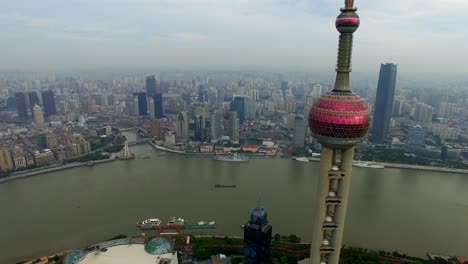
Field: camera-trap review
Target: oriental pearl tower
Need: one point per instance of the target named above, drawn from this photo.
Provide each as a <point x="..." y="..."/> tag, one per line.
<point x="338" y="120"/>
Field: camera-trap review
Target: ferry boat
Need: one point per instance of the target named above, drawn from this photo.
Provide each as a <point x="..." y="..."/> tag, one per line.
<point x="303" y="159"/>
<point x="177" y="221"/>
<point x="149" y="223"/>
<point x="203" y="223"/>
<point x="232" y="157"/>
<point x="225" y="186"/>
<point x="368" y="164"/>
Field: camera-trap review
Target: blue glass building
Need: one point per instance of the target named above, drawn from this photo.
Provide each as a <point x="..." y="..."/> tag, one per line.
<point x="238" y="105"/>
<point x="48" y="102"/>
<point x="20" y="99"/>
<point x="384" y="102"/>
<point x="257" y="237"/>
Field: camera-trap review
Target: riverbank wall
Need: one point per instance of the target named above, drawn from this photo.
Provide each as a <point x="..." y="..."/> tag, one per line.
<point x="38" y="171"/>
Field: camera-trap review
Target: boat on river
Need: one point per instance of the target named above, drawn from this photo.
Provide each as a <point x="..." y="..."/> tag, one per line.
<point x="231" y="158"/>
<point x="303" y="159"/>
<point x="225" y="185"/>
<point x="368" y="164"/>
<point x="149" y="223"/>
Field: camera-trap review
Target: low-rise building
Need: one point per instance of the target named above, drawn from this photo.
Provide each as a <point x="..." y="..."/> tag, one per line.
<point x="6" y="162"/>
<point x="44" y="157"/>
<point x="206" y="147"/>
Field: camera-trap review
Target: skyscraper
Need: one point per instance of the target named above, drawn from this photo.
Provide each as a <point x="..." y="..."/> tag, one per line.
<point x="142" y="104"/>
<point x="198" y="128"/>
<point x="33" y="100"/>
<point x="151" y="85"/>
<point x="151" y="107"/>
<point x="158" y="106"/>
<point x="234" y="120"/>
<point x="48" y="102"/>
<point x="38" y="115"/>
<point x="384" y="103"/>
<point x="21" y="105"/>
<point x="182" y="127"/>
<point x="300" y="129"/>
<point x="238" y="105"/>
<point x="338" y="120"/>
<point x="215" y="129"/>
<point x="257" y="237"/>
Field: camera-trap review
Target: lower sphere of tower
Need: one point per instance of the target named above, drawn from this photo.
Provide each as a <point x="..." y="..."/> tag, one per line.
<point x="339" y="119"/>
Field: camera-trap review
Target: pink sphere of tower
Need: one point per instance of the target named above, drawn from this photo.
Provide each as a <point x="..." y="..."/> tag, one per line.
<point x="347" y="22"/>
<point x="339" y="119"/>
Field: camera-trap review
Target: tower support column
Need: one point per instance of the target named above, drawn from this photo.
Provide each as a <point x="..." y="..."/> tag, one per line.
<point x="346" y="164"/>
<point x="323" y="187"/>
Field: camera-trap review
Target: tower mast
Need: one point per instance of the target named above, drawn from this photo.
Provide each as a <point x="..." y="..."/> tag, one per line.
<point x="338" y="120"/>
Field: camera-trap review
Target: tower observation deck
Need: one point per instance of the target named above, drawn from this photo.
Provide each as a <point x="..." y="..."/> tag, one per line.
<point x="338" y="120"/>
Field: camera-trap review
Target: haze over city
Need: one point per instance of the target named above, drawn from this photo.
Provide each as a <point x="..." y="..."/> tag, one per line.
<point x="422" y="36"/>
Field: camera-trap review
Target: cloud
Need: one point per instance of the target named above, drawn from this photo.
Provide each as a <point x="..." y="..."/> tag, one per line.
<point x="294" y="34"/>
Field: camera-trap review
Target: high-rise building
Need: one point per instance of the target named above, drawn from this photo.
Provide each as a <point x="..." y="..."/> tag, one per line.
<point x="216" y="129"/>
<point x="6" y="162"/>
<point x="48" y="103"/>
<point x="384" y="103"/>
<point x="142" y="104"/>
<point x="416" y="137"/>
<point x="38" y="115"/>
<point x="33" y="100"/>
<point x="423" y="113"/>
<point x="151" y="85"/>
<point x="257" y="237"/>
<point x="158" y="106"/>
<point x="198" y="128"/>
<point x="151" y="107"/>
<point x="238" y="105"/>
<point x="156" y="128"/>
<point x="234" y="124"/>
<point x="284" y="88"/>
<point x="300" y="130"/>
<point x="21" y="105"/>
<point x="338" y="120"/>
<point x="182" y="127"/>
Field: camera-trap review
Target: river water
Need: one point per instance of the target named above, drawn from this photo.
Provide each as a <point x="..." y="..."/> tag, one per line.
<point x="414" y="212"/>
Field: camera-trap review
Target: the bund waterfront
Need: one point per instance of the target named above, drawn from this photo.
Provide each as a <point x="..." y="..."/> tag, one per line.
<point x="393" y="209"/>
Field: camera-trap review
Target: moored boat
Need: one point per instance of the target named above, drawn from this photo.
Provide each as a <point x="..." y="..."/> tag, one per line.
<point x="231" y="157"/>
<point x="303" y="159"/>
<point x="368" y="164"/>
<point x="149" y="223"/>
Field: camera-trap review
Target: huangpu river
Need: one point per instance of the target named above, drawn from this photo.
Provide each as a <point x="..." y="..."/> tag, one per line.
<point x="411" y="211"/>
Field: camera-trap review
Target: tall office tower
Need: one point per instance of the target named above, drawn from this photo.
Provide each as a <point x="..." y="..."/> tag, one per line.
<point x="33" y="100"/>
<point x="238" y="105"/>
<point x="317" y="90"/>
<point x="201" y="94"/>
<point x="141" y="108"/>
<point x="182" y="127"/>
<point x="300" y="130"/>
<point x="151" y="85"/>
<point x="398" y="106"/>
<point x="234" y="123"/>
<point x="257" y="237"/>
<point x="384" y="103"/>
<point x="158" y="106"/>
<point x="48" y="103"/>
<point x="198" y="128"/>
<point x="151" y="107"/>
<point x="38" y="115"/>
<point x="338" y="120"/>
<point x="6" y="162"/>
<point x="21" y="105"/>
<point x="284" y="88"/>
<point x="216" y="129"/>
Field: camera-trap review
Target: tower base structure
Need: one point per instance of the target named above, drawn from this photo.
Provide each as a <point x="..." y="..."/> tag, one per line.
<point x="331" y="204"/>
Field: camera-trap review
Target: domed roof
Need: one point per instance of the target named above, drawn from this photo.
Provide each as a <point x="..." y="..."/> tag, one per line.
<point x="339" y="119"/>
<point x="74" y="256"/>
<point x="347" y="22"/>
<point x="158" y="246"/>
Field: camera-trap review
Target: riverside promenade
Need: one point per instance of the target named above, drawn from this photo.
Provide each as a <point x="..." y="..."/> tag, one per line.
<point x="33" y="172"/>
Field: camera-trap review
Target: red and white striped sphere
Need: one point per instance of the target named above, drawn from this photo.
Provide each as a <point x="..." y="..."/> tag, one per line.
<point x="347" y="22"/>
<point x="339" y="119"/>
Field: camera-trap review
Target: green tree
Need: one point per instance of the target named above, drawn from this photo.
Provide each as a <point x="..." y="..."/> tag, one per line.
<point x="277" y="237"/>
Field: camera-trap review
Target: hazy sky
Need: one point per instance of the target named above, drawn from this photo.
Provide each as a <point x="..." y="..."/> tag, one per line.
<point x="419" y="35"/>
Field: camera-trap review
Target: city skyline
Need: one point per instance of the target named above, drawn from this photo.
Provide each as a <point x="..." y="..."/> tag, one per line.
<point x="243" y="34"/>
